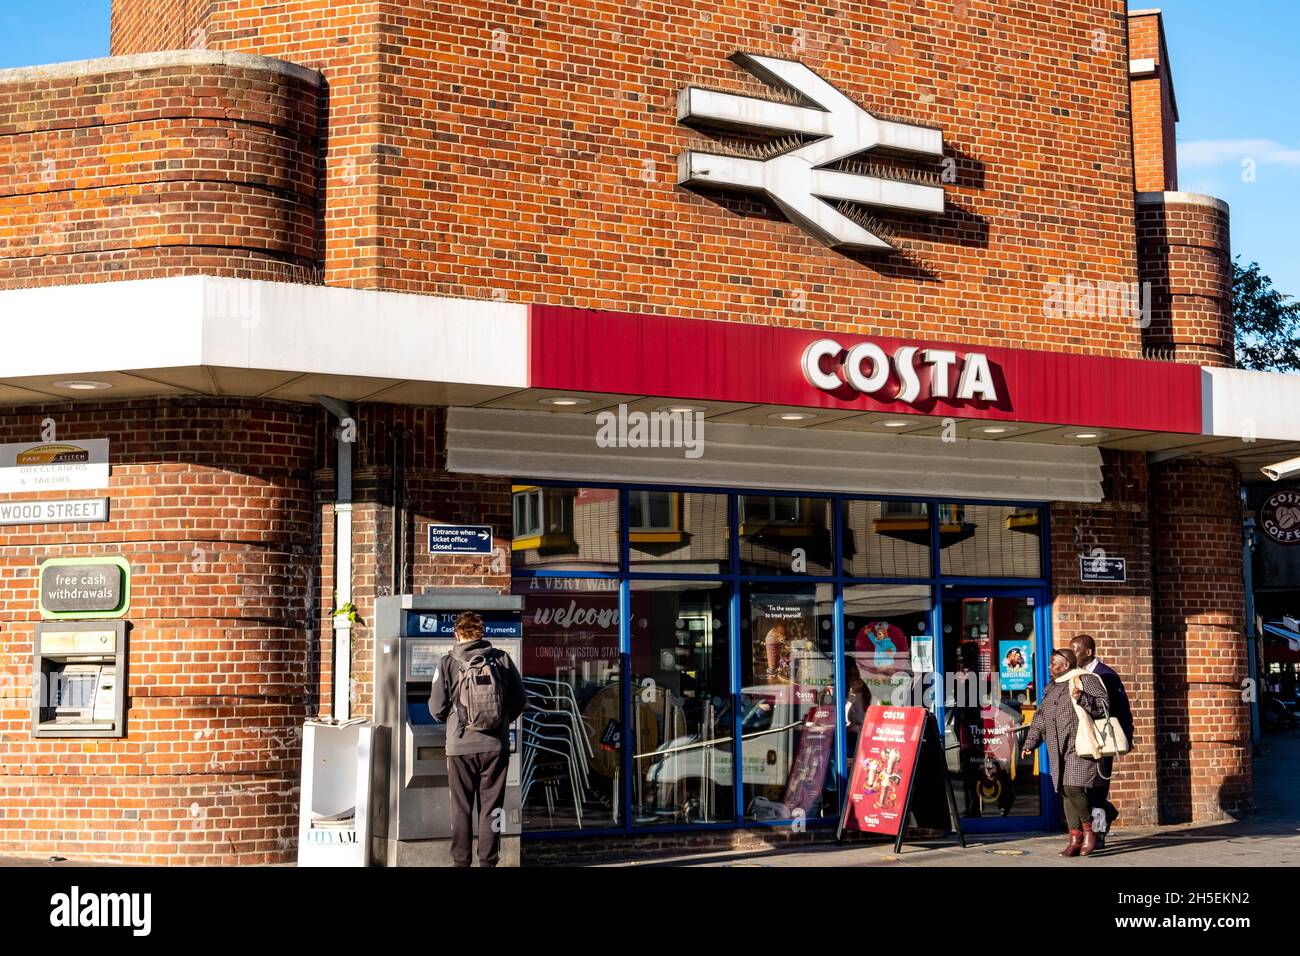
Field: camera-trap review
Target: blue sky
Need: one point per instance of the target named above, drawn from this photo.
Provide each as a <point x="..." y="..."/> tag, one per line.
<point x="1235" y="72"/>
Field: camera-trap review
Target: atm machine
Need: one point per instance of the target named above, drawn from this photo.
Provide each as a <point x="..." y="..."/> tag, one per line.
<point x="80" y="671"/>
<point x="410" y="798"/>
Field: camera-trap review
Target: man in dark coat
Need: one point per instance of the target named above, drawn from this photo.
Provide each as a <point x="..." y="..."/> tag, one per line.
<point x="477" y="760"/>
<point x="1085" y="649"/>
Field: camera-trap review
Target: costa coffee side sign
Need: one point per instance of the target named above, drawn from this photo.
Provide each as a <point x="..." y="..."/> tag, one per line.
<point x="1279" y="517"/>
<point x="867" y="368"/>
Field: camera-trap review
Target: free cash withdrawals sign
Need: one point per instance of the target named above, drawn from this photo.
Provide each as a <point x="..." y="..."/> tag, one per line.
<point x="85" y="587"/>
<point x="54" y="465"/>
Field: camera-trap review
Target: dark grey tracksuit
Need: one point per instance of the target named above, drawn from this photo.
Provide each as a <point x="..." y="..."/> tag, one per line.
<point x="476" y="761"/>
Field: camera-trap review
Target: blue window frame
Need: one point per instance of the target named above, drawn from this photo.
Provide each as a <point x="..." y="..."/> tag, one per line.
<point x="936" y="511"/>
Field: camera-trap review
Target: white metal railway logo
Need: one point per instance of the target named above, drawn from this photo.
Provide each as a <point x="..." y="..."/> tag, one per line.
<point x="812" y="169"/>
<point x="1279" y="517"/>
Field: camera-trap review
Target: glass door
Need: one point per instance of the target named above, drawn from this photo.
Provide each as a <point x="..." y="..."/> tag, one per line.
<point x="992" y="655"/>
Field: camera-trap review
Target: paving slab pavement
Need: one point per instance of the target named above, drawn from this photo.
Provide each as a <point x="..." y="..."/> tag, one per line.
<point x="1269" y="837"/>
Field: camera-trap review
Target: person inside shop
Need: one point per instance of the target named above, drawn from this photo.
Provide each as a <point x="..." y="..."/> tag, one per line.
<point x="1055" y="724"/>
<point x="968" y="725"/>
<point x="855" y="708"/>
<point x="1104" y="812"/>
<point x="478" y="692"/>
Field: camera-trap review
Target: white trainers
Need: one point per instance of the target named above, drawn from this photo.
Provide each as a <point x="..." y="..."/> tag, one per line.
<point x="1098" y="820"/>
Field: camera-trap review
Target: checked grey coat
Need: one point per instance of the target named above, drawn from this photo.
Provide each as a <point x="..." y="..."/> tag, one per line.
<point x="1055" y="724"/>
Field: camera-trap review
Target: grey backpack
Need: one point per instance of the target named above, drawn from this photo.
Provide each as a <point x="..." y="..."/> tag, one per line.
<point x="481" y="692"/>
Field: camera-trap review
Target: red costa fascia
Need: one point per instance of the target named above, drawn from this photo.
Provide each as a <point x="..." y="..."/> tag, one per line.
<point x="586" y="350"/>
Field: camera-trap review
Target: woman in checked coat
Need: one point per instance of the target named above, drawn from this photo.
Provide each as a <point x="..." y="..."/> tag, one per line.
<point x="1055" y="724"/>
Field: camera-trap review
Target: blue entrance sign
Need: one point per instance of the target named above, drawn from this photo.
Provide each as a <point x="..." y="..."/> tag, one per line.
<point x="443" y="624"/>
<point x="460" y="539"/>
<point x="1103" y="569"/>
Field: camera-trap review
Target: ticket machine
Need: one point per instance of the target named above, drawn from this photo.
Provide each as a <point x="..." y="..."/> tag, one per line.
<point x="80" y="673"/>
<point x="411" y="800"/>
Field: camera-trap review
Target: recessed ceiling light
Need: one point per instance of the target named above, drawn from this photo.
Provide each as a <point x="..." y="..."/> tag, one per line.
<point x="792" y="416"/>
<point x="1087" y="436"/>
<point x="83" y="386"/>
<point x="996" y="429"/>
<point x="565" y="400"/>
<point x="893" y="424"/>
<point x="682" y="408"/>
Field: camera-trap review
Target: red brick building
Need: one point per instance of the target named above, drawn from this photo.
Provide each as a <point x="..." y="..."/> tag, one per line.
<point x="472" y="228"/>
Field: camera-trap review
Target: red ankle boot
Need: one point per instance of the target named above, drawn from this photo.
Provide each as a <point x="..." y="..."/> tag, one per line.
<point x="1089" y="839"/>
<point x="1076" y="841"/>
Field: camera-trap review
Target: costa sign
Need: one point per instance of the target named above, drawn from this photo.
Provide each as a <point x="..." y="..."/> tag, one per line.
<point x="917" y="373"/>
<point x="1279" y="517"/>
<point x="690" y="360"/>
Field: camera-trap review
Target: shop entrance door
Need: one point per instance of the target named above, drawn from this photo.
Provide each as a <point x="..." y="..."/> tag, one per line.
<point x="991" y="665"/>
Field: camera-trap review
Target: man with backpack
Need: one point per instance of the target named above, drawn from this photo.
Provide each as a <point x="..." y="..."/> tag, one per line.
<point x="478" y="692"/>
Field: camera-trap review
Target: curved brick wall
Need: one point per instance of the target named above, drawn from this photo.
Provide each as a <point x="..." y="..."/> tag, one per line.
<point x="211" y="502"/>
<point x="178" y="163"/>
<point x="1202" y="722"/>
<point x="1185" y="253"/>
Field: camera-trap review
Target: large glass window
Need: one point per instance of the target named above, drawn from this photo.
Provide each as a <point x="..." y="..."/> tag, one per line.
<point x="678" y="532"/>
<point x="565" y="528"/>
<point x="571" y="759"/>
<point x="886" y="539"/>
<point x="787" y="701"/>
<point x="690" y="654"/>
<point x="990" y="541"/>
<point x="784" y="534"/>
<point x="682" y="764"/>
<point x="889" y="650"/>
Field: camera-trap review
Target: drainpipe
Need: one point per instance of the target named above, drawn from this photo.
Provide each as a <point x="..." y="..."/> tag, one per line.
<point x="345" y="437"/>
<point x="1251" y="635"/>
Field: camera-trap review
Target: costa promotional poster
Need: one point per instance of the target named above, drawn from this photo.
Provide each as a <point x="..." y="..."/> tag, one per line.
<point x="882" y="769"/>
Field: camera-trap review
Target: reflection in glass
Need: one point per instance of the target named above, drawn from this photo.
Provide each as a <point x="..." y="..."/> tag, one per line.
<point x="682" y="764"/>
<point x="785" y="534"/>
<point x="787" y="665"/>
<point x="682" y="532"/>
<point x="565" y="528"/>
<point x="990" y="541"/>
<point x="570" y="668"/>
<point x="988" y="652"/>
<point x="888" y="650"/>
<point x="886" y="539"/>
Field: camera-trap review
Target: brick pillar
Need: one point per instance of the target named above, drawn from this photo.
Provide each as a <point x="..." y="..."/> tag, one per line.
<point x="1154" y="108"/>
<point x="1202" y="722"/>
<point x="1185" y="264"/>
<point x="1118" y="616"/>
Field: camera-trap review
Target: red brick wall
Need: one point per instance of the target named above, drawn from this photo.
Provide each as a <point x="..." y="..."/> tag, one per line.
<point x="1155" y="153"/>
<point x="1184" y="252"/>
<point x="485" y="149"/>
<point x="1118" y="616"/>
<point x="187" y="168"/>
<point x="413" y="439"/>
<point x="141" y="26"/>
<point x="211" y="504"/>
<point x="1203" y="721"/>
